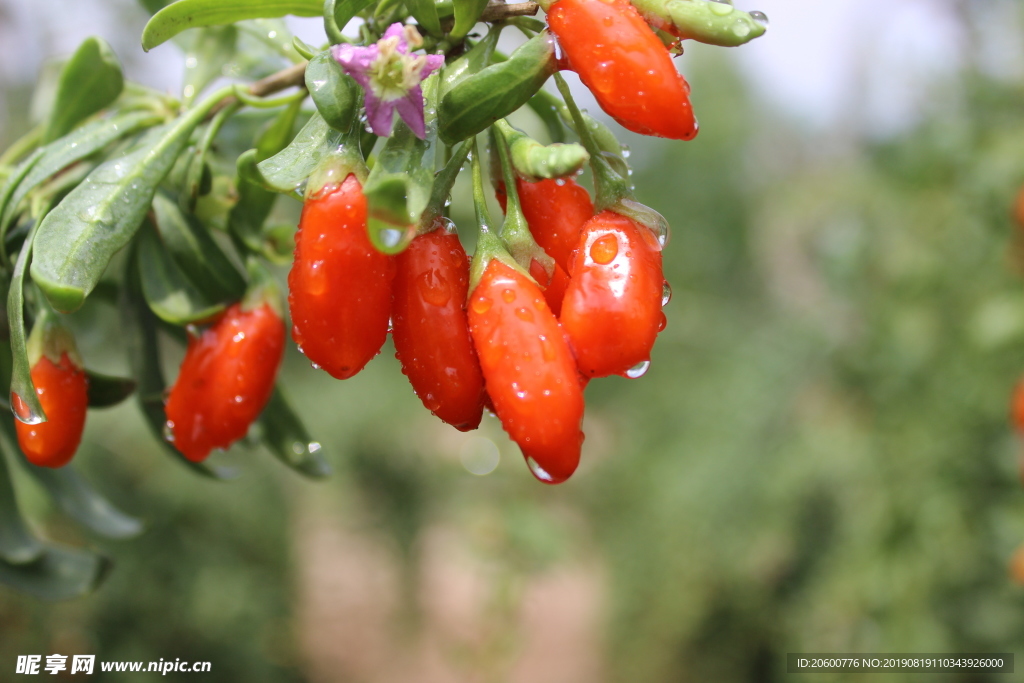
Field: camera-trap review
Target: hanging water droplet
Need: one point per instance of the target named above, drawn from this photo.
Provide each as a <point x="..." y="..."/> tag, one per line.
<point x="298" y="448"/>
<point x="760" y="17"/>
<point x="638" y="370"/>
<point x="391" y="324"/>
<point x="314" y="447"/>
<point x="316" y="366"/>
<point x="390" y="237"/>
<point x="23" y="412"/>
<point x="449" y="225"/>
<point x="538" y="471"/>
<point x="666" y="293"/>
<point x="560" y="182"/>
<point x="625" y="151"/>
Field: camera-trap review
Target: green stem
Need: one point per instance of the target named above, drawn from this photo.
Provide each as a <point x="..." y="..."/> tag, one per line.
<point x="241" y="92"/>
<point x="22" y="146"/>
<point x="488" y="244"/>
<point x="331" y="27"/>
<point x="515" y="231"/>
<point x="443" y="183"/>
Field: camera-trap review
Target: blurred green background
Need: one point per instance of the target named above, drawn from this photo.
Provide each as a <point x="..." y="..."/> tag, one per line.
<point x="819" y="459"/>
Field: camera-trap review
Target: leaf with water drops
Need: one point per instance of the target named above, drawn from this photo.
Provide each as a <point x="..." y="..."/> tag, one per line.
<point x="285" y="435"/>
<point x="288" y="170"/>
<point x="106" y="390"/>
<point x="58" y="155"/>
<point x="99" y="217"/>
<point x="209" y="53"/>
<point x="60" y="573"/>
<point x="479" y="100"/>
<point x="17" y="544"/>
<point x="706" y="21"/>
<point x="143" y="345"/>
<point x="534" y="161"/>
<point x="21" y="370"/>
<point x="336" y="95"/>
<point x="186" y="14"/>
<point x="90" y="81"/>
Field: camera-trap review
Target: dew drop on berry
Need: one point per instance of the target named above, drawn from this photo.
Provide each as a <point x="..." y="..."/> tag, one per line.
<point x="538" y="471"/>
<point x="434" y="288"/>
<point x="638" y="370"/>
<point x="524" y="314"/>
<point x="169" y="431"/>
<point x="662" y="322"/>
<point x="666" y="293"/>
<point x="481" y="305"/>
<point x="23" y="412"/>
<point x="508" y="295"/>
<point x="604" y="249"/>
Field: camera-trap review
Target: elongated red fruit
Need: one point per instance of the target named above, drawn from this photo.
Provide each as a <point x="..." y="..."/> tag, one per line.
<point x="431" y="329"/>
<point x="529" y="370"/>
<point x="225" y="381"/>
<point x="63" y="394"/>
<point x="627" y="67"/>
<point x="555" y="210"/>
<point x="612" y="307"/>
<point x="339" y="287"/>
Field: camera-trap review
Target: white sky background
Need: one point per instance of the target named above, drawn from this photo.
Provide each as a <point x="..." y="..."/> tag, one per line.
<point x="828" y="64"/>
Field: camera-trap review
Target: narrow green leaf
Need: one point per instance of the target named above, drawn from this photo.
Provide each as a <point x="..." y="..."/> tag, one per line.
<point x="100" y="216"/>
<point x="72" y="148"/>
<point x="336" y="95"/>
<point x="106" y="390"/>
<point x="286" y="437"/>
<point x="186" y="14"/>
<point x="425" y="13"/>
<point x="288" y="170"/>
<point x="495" y="92"/>
<point x="196" y="253"/>
<point x="17" y="544"/>
<point x="81" y="502"/>
<point x="21" y="379"/>
<point x="7" y="193"/>
<point x="90" y="81"/>
<point x="168" y="291"/>
<point x="140" y="327"/>
<point x="337" y="13"/>
<point x="467" y="14"/>
<point x="61" y="573"/>
<point x="211" y="50"/>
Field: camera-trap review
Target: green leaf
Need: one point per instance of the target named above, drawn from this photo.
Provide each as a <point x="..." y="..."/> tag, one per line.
<point x="7" y="193"/>
<point x="186" y="14"/>
<point x="288" y="170"/>
<point x="106" y="391"/>
<point x="211" y="50"/>
<point x="99" y="217"/>
<point x="90" y="81"/>
<point x="399" y="186"/>
<point x="80" y="501"/>
<point x="337" y="13"/>
<point x="534" y="161"/>
<point x="17" y="544"/>
<point x="336" y="95"/>
<point x="61" y="573"/>
<point x="425" y="13"/>
<point x="60" y="154"/>
<point x="287" y="438"/>
<point x="168" y="291"/>
<point x="467" y="14"/>
<point x="196" y="253"/>
<point x="140" y="326"/>
<point x="21" y="379"/>
<point x="479" y="100"/>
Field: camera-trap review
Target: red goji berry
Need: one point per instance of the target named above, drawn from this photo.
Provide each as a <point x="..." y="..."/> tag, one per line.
<point x="529" y="370"/>
<point x="339" y="287"/>
<point x="225" y="381"/>
<point x="63" y="394"/>
<point x="1017" y="406"/>
<point x="555" y="210"/>
<point x="612" y="307"/>
<point x="431" y="330"/>
<point x="554" y="286"/>
<point x="627" y="67"/>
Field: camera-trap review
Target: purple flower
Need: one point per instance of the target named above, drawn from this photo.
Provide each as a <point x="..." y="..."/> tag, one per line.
<point x="391" y="77"/>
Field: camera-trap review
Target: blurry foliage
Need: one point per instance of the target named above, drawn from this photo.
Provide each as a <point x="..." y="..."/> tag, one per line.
<point x="817" y="461"/>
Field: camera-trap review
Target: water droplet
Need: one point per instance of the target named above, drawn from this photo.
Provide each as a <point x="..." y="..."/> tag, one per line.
<point x="638" y="370"/>
<point x="434" y="287"/>
<point x="272" y="35"/>
<point x="239" y="398"/>
<point x="449" y="225"/>
<point x="239" y="336"/>
<point x="760" y="17"/>
<point x="390" y="237"/>
<point x="604" y="249"/>
<point x="314" y="447"/>
<point x="524" y="314"/>
<point x="508" y="296"/>
<point x="666" y="293"/>
<point x="191" y="63"/>
<point x="722" y="9"/>
<point x="740" y="29"/>
<point x="560" y="181"/>
<point x="316" y="366"/>
<point x="23" y="412"/>
<point x="169" y="431"/>
<point x="538" y="471"/>
<point x="662" y="322"/>
<point x="547" y="348"/>
<point x="298" y="448"/>
<point x="481" y="305"/>
<point x="625" y="151"/>
<point x="391" y="324"/>
<point x="300" y="188"/>
<point x="479" y="455"/>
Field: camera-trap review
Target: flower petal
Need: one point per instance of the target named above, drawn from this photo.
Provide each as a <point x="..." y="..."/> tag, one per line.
<point x="434" y="62"/>
<point x="410" y="108"/>
<point x="355" y="61"/>
<point x="397" y="30"/>
<point x="380" y="115"/>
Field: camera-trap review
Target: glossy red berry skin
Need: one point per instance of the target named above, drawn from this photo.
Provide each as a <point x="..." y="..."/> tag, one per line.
<point x="431" y="329"/>
<point x="62" y="389"/>
<point x="554" y="286"/>
<point x="555" y="210"/>
<point x="529" y="370"/>
<point x="1017" y="407"/>
<point x="612" y="307"/>
<point x="339" y="287"/>
<point x="627" y="67"/>
<point x="225" y="381"/>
